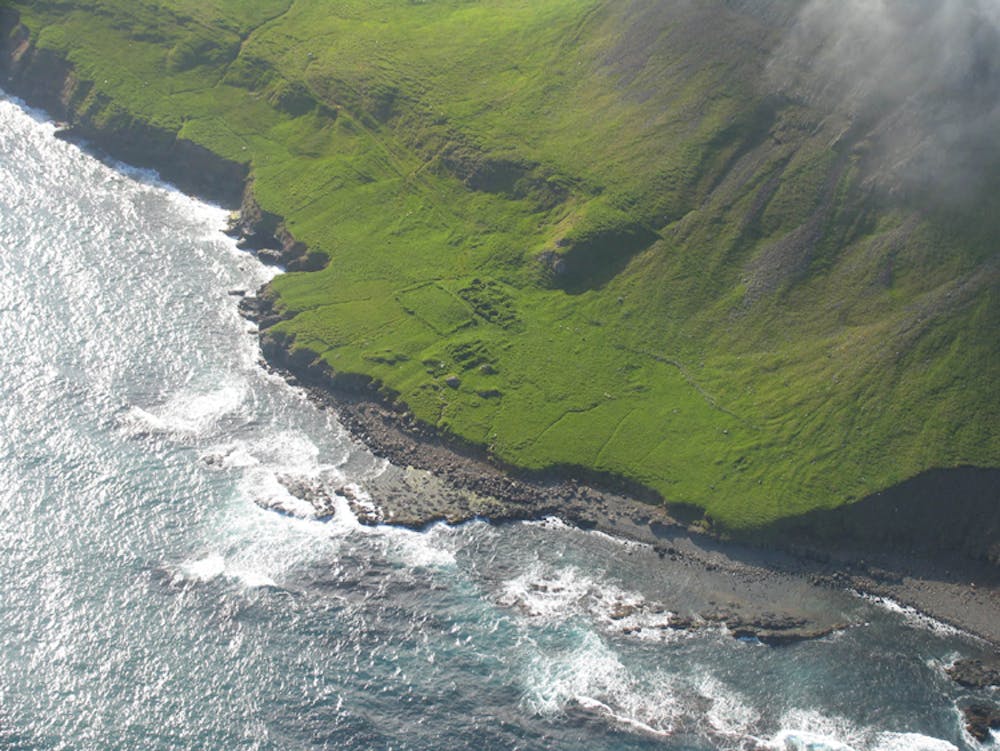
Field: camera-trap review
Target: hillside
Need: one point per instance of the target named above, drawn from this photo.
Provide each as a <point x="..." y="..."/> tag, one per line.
<point x="736" y="252"/>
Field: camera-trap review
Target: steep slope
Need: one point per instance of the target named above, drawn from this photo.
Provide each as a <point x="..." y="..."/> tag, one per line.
<point x="677" y="242"/>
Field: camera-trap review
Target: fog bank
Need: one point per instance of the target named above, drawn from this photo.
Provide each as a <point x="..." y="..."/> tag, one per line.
<point x="922" y="75"/>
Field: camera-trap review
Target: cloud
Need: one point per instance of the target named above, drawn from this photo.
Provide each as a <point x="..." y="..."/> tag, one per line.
<point x="922" y="75"/>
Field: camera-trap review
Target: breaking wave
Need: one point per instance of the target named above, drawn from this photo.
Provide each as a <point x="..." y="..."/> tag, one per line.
<point x="187" y="413"/>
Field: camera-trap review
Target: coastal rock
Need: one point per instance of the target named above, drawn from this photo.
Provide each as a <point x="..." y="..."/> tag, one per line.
<point x="681" y="623"/>
<point x="256" y="241"/>
<point x="270" y="256"/>
<point x="980" y="719"/>
<point x="260" y="310"/>
<point x="265" y="235"/>
<point x="312" y="491"/>
<point x="975" y="673"/>
<point x="623" y="610"/>
<point x="776" y="631"/>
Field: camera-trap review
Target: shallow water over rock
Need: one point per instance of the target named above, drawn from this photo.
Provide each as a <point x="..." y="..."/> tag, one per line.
<point x="168" y="584"/>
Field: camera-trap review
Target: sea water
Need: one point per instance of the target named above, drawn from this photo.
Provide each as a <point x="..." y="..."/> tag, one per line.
<point x="161" y="589"/>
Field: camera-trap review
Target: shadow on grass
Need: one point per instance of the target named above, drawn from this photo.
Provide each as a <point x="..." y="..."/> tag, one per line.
<point x="942" y="511"/>
<point x="592" y="263"/>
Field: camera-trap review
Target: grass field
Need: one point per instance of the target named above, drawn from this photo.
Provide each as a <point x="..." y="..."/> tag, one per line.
<point x="584" y="233"/>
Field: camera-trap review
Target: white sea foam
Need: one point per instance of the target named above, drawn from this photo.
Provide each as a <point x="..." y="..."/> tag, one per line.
<point x="592" y="677"/>
<point x="550" y="595"/>
<point x="802" y="740"/>
<point x="278" y="471"/>
<point x="214" y="565"/>
<point x="810" y="730"/>
<point x="363" y="501"/>
<point x="256" y="548"/>
<point x="203" y="569"/>
<point x="234" y="455"/>
<point x="960" y="722"/>
<point x="148" y="177"/>
<point x="187" y="413"/>
<point x="273" y="466"/>
<point x="432" y="548"/>
<point x="729" y="713"/>
<point x="263" y="487"/>
<point x="622" y="718"/>
<point x="548" y="522"/>
<point x="546" y="594"/>
<point x="555" y="523"/>
<point x="911" y="615"/>
<point x="911" y="742"/>
<point x="290" y="451"/>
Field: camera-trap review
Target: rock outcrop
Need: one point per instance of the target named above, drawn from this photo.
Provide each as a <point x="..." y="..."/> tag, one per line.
<point x="980" y="719"/>
<point x="976" y="673"/>
<point x="266" y="236"/>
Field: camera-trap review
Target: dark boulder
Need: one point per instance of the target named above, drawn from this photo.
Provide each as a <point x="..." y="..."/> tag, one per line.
<point x="980" y="719"/>
<point x="975" y="673"/>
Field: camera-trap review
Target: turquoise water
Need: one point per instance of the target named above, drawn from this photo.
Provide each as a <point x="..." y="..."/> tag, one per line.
<point x="152" y="597"/>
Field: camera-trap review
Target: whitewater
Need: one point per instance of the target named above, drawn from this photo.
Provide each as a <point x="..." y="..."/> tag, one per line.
<point x="162" y="587"/>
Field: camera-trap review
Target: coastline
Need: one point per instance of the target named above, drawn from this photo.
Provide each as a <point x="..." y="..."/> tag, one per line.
<point x="769" y="583"/>
<point x="767" y="577"/>
<point x="950" y="588"/>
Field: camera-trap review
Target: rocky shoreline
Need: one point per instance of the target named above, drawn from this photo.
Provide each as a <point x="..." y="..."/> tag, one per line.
<point x="949" y="587"/>
<point x="764" y="585"/>
<point x="767" y="583"/>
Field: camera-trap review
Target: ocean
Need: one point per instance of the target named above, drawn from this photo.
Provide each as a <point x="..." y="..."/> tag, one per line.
<point x="161" y="587"/>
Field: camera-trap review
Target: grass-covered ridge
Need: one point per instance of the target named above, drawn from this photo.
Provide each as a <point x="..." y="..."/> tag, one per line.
<point x="585" y="232"/>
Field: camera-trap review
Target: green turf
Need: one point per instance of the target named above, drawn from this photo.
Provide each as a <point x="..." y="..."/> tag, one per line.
<point x="580" y="233"/>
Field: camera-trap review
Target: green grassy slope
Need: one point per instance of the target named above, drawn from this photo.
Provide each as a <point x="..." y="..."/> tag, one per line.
<point x="633" y="256"/>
